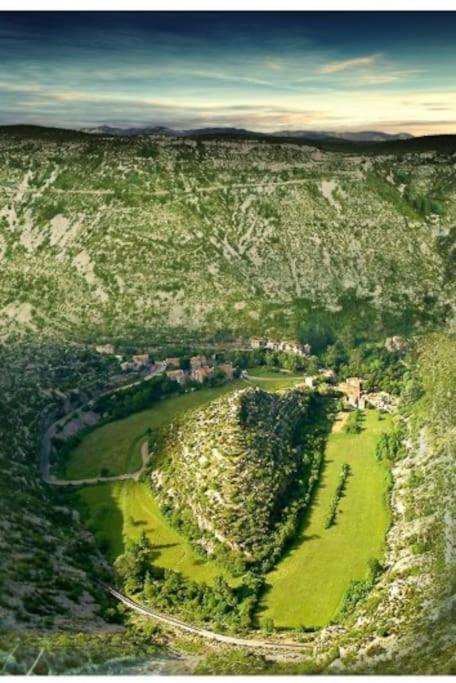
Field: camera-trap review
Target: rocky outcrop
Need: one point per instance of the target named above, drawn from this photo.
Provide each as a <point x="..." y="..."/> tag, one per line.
<point x="230" y="468"/>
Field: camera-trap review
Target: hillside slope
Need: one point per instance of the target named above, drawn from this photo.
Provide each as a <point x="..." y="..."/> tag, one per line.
<point x="230" y="470"/>
<point x="108" y="236"/>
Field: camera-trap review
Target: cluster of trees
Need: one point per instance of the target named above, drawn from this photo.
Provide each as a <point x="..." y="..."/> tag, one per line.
<point x="390" y="446"/>
<point x="423" y="204"/>
<point x="380" y="368"/>
<point x="273" y="360"/>
<point x="222" y="605"/>
<point x="123" y="403"/>
<point x="353" y="424"/>
<point x="359" y="588"/>
<point x="345" y="471"/>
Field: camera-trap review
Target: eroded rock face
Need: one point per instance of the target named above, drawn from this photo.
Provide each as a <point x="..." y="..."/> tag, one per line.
<point x="230" y="467"/>
<point x="194" y="232"/>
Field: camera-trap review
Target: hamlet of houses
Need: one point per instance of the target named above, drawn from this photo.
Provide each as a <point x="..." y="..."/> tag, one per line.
<point x="354" y="396"/>
<point x="200" y="370"/>
<point x="287" y="346"/>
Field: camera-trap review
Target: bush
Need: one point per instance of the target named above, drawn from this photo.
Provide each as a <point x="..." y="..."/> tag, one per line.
<point x="353" y="424"/>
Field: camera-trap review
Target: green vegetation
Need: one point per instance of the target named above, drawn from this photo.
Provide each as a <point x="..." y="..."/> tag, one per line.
<point x="221" y="604"/>
<point x="379" y="368"/>
<point x="344" y="472"/>
<point x="390" y="446"/>
<point x="116" y="447"/>
<point x="354" y="422"/>
<point x="119" y="512"/>
<point x="235" y="474"/>
<point x="359" y="588"/>
<point x="306" y="589"/>
<point x="272" y="380"/>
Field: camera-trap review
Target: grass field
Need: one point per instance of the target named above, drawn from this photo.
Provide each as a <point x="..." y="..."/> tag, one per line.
<point x="273" y="381"/>
<point x="120" y="511"/>
<point x="116" y="446"/>
<point x="307" y="586"/>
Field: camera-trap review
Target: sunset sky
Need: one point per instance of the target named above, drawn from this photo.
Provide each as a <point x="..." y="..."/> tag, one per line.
<point x="394" y="72"/>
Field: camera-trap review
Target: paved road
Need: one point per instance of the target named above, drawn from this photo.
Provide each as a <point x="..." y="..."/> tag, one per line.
<point x="212" y="635"/>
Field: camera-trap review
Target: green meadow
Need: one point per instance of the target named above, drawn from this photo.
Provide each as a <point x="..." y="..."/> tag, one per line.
<point x="308" y="585"/>
<point x="116" y="447"/>
<point x="268" y="380"/>
<point x="120" y="511"/>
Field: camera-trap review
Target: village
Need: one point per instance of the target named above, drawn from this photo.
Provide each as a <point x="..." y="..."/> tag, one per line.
<point x="201" y="369"/>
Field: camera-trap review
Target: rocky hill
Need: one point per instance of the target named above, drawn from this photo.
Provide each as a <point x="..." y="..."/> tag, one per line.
<point x="117" y="236"/>
<point x="48" y="560"/>
<point x="232" y="468"/>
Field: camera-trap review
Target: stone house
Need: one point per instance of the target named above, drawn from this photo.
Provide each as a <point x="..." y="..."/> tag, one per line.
<point x="176" y="376"/>
<point x="352" y="390"/>
<point x="201" y="374"/>
<point x="197" y="362"/>
<point x="104" y="348"/>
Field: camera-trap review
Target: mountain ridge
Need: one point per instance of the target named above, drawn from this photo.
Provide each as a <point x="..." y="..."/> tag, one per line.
<point x="198" y="227"/>
<point x="360" y="136"/>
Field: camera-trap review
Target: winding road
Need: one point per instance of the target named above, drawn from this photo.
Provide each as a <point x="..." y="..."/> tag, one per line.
<point x="212" y="635"/>
<point x="51" y="430"/>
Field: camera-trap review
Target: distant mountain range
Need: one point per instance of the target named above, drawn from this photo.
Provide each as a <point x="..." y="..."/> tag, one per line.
<point x="361" y="136"/>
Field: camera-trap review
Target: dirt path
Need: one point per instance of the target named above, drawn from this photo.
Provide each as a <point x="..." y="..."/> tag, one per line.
<point x="51" y="430"/>
<point x="339" y="422"/>
<point x="212" y="635"/>
<point x="51" y="479"/>
<point x="208" y="188"/>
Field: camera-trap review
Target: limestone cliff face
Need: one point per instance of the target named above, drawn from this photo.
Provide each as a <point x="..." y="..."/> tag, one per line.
<point x="230" y="467"/>
<point x="102" y="237"/>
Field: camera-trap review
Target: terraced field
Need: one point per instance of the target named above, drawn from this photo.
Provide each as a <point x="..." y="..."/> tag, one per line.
<point x="308" y="585"/>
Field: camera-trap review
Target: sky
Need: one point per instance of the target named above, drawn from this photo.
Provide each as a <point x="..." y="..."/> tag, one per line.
<point x="265" y="71"/>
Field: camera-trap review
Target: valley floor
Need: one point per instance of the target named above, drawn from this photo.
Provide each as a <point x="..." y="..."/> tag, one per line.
<point x="308" y="585"/>
<point x="116" y="446"/>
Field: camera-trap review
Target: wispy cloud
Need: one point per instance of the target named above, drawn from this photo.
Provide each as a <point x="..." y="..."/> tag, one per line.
<point x="345" y="64"/>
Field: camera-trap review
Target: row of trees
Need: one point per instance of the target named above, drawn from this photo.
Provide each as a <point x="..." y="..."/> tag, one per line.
<point x="390" y="446"/>
<point x="345" y="471"/>
<point x="354" y="422"/>
<point x="122" y="403"/>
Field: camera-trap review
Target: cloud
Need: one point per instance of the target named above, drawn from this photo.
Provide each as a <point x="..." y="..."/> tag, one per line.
<point x="343" y="65"/>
